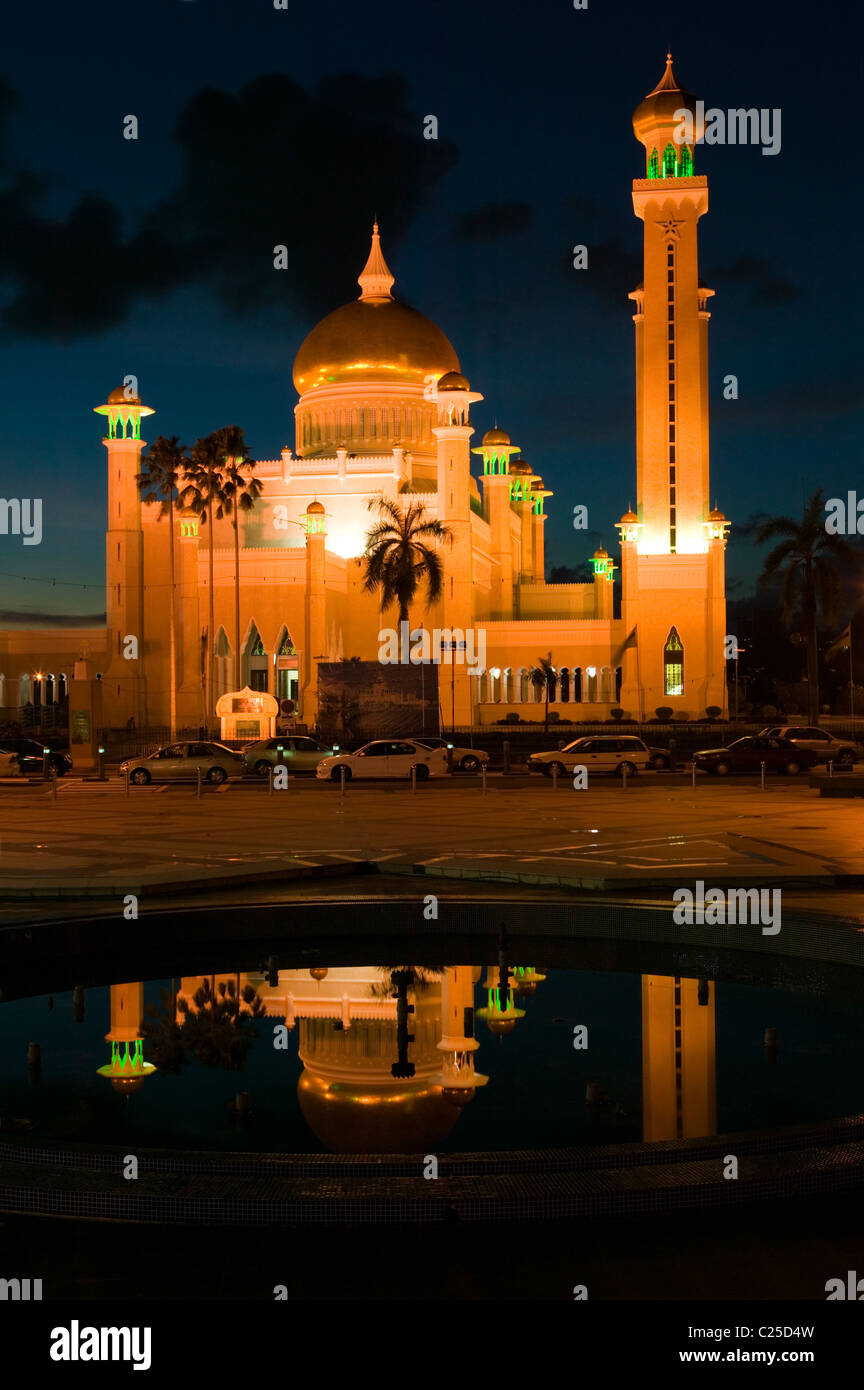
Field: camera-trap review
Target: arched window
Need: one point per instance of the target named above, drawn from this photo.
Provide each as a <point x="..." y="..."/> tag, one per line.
<point x="653" y="165"/>
<point x="673" y="665"/>
<point x="686" y="162"/>
<point x="670" y="163"/>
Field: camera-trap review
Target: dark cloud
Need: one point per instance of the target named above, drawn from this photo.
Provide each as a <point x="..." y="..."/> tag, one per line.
<point x="766" y="285"/>
<point x="613" y="269"/>
<point x="493" y="220"/>
<point x="33" y="618"/>
<point x="270" y="165"/>
<point x="748" y="528"/>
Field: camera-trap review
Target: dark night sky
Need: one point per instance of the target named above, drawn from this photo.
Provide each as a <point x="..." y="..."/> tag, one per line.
<point x="155" y="257"/>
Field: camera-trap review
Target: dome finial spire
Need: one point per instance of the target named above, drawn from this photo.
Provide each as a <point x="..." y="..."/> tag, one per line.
<point x="375" y="280"/>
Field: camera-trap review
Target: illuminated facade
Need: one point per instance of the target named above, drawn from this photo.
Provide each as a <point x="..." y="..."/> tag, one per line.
<point x="384" y="409"/>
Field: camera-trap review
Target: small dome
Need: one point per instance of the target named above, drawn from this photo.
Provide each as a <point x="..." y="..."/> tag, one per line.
<point x="601" y="554"/>
<point x="453" y="381"/>
<point x="500" y="1025"/>
<point x="459" y="1096"/>
<point x="495" y="437"/>
<point x="521" y="467"/>
<point x="318" y="972"/>
<point x="629" y="518"/>
<point x="716" y="515"/>
<point x="315" y="509"/>
<point x="119" y="397"/>
<point x="656" y="112"/>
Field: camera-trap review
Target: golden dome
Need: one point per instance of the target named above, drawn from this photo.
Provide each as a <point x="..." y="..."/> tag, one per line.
<point x="628" y="518"/>
<point x="601" y="553"/>
<point x="501" y="1025"/>
<point x="657" y="110"/>
<point x="522" y="468"/>
<point x="716" y="515"/>
<point x="316" y="509"/>
<point x="119" y="397"/>
<point x="374" y="338"/>
<point x="453" y="381"/>
<point x="495" y="437"/>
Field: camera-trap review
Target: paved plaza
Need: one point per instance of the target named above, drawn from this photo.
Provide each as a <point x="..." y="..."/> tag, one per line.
<point x="91" y="840"/>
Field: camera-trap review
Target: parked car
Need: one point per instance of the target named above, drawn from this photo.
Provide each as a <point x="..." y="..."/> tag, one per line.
<point x="30" y="755"/>
<point x="386" y="758"/>
<point x="600" y="753"/>
<point x="299" y="754"/>
<point x="841" y="751"/>
<point x="179" y="762"/>
<point x="464" y="759"/>
<point x="9" y="765"/>
<point x="747" y="755"/>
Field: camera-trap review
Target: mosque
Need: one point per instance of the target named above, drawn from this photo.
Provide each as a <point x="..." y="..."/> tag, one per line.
<point x="384" y="410"/>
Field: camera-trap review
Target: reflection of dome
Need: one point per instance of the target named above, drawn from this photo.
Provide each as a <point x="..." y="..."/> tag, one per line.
<point x="319" y="972"/>
<point x="459" y="1095"/>
<point x="374" y="338"/>
<point x="370" y="1117"/>
<point x="500" y="1025"/>
<point x="315" y="509"/>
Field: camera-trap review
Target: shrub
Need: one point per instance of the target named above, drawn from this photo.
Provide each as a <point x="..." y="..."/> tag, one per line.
<point x="617" y="713"/>
<point x="713" y="711"/>
<point x="664" y="713"/>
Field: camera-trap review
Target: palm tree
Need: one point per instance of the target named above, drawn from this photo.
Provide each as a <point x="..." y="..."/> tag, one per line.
<point x="203" y="491"/>
<point x="164" y="474"/>
<point x="240" y="490"/>
<point x="542" y="677"/>
<point x="397" y="558"/>
<point x="806" y="559"/>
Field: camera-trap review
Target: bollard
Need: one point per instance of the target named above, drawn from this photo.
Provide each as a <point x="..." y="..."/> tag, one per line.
<point x="45" y="764"/>
<point x="624" y="777"/>
<point x="341" y="779"/>
<point x="693" y="774"/>
<point x="126" y="775"/>
<point x="413" y="779"/>
<point x="506" y="756"/>
<point x="270" y="780"/>
<point x="450" y="757"/>
<point x="762" y="766"/>
<point x="554" y="777"/>
<point x="54" y="780"/>
<point x="101" y="764"/>
<point x="483" y="775"/>
<point x="672" y="746"/>
<point x="830" y="767"/>
<point x="198" y="772"/>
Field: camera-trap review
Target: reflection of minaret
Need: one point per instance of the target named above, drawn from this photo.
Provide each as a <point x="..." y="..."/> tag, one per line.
<point x="127" y="1068"/>
<point x="457" y="1077"/>
<point x="679" y="1084"/>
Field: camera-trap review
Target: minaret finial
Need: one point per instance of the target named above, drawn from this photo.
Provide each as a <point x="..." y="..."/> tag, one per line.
<point x="375" y="280"/>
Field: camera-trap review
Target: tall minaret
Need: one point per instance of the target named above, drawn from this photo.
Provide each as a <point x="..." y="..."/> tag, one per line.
<point x="673" y="561"/>
<point x="671" y="329"/>
<point x="124" y="555"/>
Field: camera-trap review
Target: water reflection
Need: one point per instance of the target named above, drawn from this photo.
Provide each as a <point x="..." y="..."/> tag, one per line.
<point x="389" y="1053"/>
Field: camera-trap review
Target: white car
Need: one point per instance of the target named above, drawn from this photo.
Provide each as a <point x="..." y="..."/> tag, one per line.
<point x="603" y="753"/>
<point x="386" y="758"/>
<point x="9" y="765"/>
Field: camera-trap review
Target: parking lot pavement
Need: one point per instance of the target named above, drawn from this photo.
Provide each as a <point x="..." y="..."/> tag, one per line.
<point x="93" y="837"/>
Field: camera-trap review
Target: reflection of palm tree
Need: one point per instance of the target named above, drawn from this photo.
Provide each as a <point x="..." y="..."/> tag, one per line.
<point x="219" y="1032"/>
<point x="202" y="491"/>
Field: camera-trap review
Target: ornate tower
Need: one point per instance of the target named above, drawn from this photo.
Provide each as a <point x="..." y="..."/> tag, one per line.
<point x="124" y="556"/>
<point x="673" y="551"/>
